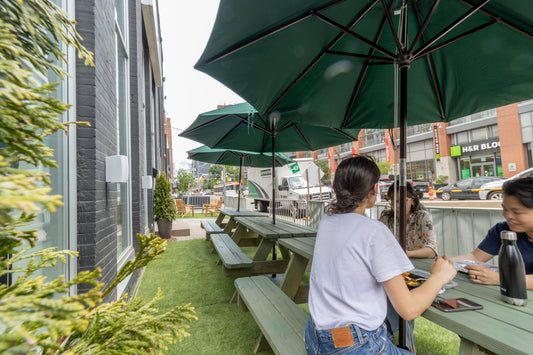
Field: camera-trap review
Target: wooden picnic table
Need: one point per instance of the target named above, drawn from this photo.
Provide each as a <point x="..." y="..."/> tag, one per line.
<point x="269" y="233"/>
<point x="499" y="327"/>
<point x="232" y="213"/>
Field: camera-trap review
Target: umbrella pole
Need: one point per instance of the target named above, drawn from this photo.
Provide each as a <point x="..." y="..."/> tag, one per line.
<point x="240" y="187"/>
<point x="403" y="186"/>
<point x="273" y="178"/>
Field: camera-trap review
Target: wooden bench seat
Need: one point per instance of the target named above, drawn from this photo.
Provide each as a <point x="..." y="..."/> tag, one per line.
<point x="210" y="227"/>
<point x="231" y="255"/>
<point x="281" y="321"/>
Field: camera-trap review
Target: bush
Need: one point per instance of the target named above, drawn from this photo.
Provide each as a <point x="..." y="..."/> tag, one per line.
<point x="164" y="206"/>
<point x="38" y="316"/>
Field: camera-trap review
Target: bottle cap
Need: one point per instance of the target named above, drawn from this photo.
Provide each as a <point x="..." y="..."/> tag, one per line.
<point x="508" y="235"/>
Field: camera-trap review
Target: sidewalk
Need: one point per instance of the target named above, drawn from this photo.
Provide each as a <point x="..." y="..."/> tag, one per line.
<point x="186" y="229"/>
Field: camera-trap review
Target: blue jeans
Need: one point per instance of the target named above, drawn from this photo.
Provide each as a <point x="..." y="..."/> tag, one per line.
<point x="365" y="342"/>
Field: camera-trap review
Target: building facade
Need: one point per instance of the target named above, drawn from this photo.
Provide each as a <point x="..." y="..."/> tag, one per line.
<point x="496" y="142"/>
<point x="107" y="170"/>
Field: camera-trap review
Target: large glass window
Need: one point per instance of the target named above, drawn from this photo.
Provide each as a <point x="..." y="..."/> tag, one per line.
<point x="526" y="124"/>
<point x="124" y="237"/>
<point x="373" y="137"/>
<point x="53" y="228"/>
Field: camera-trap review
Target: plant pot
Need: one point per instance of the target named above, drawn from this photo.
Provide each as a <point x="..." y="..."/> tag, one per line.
<point x="164" y="228"/>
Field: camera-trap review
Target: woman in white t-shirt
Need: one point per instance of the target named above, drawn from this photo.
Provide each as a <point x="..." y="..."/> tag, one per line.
<point x="357" y="264"/>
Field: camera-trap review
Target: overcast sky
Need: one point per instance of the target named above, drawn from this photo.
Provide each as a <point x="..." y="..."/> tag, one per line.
<point x="185" y="28"/>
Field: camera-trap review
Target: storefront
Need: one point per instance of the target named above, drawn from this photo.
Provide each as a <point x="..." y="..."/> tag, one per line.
<point x="481" y="158"/>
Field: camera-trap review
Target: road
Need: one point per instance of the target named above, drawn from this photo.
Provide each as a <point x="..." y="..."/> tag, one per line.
<point x="462" y="203"/>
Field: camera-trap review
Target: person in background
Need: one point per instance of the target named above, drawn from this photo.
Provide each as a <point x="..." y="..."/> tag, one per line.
<point x="420" y="238"/>
<point x="357" y="264"/>
<point x="517" y="207"/>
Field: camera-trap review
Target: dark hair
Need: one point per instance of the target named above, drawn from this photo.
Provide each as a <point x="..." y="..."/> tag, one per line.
<point x="353" y="181"/>
<point x="410" y="193"/>
<point x="522" y="189"/>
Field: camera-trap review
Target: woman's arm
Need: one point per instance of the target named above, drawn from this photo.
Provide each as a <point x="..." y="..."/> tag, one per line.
<point x="425" y="252"/>
<point x="411" y="304"/>
<point x="477" y="254"/>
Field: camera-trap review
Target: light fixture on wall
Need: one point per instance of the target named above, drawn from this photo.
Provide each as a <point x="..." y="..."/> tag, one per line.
<point x="116" y="169"/>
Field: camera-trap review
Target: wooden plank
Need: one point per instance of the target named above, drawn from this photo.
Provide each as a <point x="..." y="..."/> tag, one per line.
<point x="303" y="246"/>
<point x="498" y="327"/>
<point x="231" y="255"/>
<point x="281" y="321"/>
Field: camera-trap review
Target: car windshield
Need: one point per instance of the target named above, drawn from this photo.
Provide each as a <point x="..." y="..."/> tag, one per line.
<point x="297" y="182"/>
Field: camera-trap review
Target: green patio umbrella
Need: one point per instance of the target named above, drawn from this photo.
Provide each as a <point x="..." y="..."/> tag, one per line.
<point x="353" y="63"/>
<point x="241" y="127"/>
<point x="237" y="158"/>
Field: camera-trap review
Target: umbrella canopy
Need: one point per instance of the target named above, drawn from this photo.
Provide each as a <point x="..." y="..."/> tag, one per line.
<point x="242" y="127"/>
<point x="356" y="63"/>
<point x="238" y="158"/>
<point x="332" y="62"/>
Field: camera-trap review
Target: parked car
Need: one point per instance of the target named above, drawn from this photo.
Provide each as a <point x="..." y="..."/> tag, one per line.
<point x="385" y="181"/>
<point x="493" y="190"/>
<point x="466" y="189"/>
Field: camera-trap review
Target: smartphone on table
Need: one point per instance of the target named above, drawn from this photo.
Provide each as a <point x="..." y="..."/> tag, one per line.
<point x="456" y="305"/>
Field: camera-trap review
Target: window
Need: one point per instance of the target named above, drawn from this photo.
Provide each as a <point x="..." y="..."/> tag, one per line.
<point x="478" y="134"/>
<point x="124" y="237"/>
<point x="526" y="124"/>
<point x="373" y="137"/>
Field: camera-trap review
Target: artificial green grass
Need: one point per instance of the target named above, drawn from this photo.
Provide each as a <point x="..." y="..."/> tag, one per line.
<point x="187" y="272"/>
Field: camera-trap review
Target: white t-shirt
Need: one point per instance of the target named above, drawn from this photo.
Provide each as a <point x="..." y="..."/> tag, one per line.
<point x="353" y="256"/>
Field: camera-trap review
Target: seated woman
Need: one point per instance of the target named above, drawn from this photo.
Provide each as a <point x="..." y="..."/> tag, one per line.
<point x="517" y="207"/>
<point x="357" y="264"/>
<point x="420" y="237"/>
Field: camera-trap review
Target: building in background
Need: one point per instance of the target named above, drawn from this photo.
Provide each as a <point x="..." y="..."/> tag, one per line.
<point x="496" y="142"/>
<point x="106" y="170"/>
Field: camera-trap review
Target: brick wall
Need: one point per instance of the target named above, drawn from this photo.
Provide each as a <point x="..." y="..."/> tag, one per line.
<point x="95" y="96"/>
<point x="511" y="147"/>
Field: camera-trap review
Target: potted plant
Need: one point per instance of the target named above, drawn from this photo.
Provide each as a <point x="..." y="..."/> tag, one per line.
<point x="164" y="206"/>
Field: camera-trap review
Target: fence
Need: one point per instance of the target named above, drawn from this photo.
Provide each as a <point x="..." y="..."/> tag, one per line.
<point x="198" y="200"/>
<point x="458" y="229"/>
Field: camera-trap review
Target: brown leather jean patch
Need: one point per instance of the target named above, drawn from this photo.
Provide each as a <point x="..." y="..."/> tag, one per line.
<point x="342" y="337"/>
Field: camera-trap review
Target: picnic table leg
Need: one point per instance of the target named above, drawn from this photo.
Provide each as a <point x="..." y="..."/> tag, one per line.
<point x="261" y="344"/>
<point x="263" y="249"/>
<point x="230" y="225"/>
<point x="219" y="219"/>
<point x="469" y="348"/>
<point x="293" y="275"/>
<point x="239" y="232"/>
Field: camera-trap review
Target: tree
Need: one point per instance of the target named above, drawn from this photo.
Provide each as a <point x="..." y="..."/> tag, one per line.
<point x="324" y="166"/>
<point x="184" y="180"/>
<point x="384" y="167"/>
<point x="37" y="315"/>
<point x="215" y="172"/>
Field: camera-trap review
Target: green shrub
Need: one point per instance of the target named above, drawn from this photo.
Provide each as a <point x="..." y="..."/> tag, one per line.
<point x="164" y="206"/>
<point x="38" y="316"/>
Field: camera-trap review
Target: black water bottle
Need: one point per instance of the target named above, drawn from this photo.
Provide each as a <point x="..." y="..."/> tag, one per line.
<point x="512" y="271"/>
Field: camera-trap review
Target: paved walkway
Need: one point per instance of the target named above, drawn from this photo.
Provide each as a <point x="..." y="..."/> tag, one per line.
<point x="180" y="227"/>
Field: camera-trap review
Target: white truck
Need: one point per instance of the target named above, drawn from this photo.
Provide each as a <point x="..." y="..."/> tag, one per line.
<point x="290" y="184"/>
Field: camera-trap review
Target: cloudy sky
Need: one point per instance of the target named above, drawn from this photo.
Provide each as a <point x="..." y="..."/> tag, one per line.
<point x="185" y="28"/>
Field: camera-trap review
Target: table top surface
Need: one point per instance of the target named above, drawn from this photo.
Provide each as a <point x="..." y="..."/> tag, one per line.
<point x="499" y="326"/>
<point x="232" y="212"/>
<point x="282" y="229"/>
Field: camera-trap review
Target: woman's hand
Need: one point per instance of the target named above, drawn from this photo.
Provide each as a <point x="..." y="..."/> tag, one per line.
<point x="482" y="275"/>
<point x="444" y="270"/>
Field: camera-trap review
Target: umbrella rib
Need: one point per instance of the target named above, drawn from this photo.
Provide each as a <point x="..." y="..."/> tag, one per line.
<point x="303" y="138"/>
<point x="362" y="76"/>
<point x="355" y="35"/>
<point x="220" y="158"/>
<point x="202" y="125"/>
<point x="340" y="131"/>
<point x="429" y="61"/>
<point x="392" y="29"/>
<point x="450" y="27"/>
<point x="454" y="39"/>
<point x="365" y="56"/>
<point x="500" y="20"/>
<point x="422" y="28"/>
<point x="258" y="37"/>
<point x="245" y="120"/>
<point x="228" y="133"/>
<point x="319" y="56"/>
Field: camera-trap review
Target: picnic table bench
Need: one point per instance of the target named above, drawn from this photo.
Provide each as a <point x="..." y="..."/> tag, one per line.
<point x="281" y="321"/>
<point x="231" y="256"/>
<point x="210" y="227"/>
